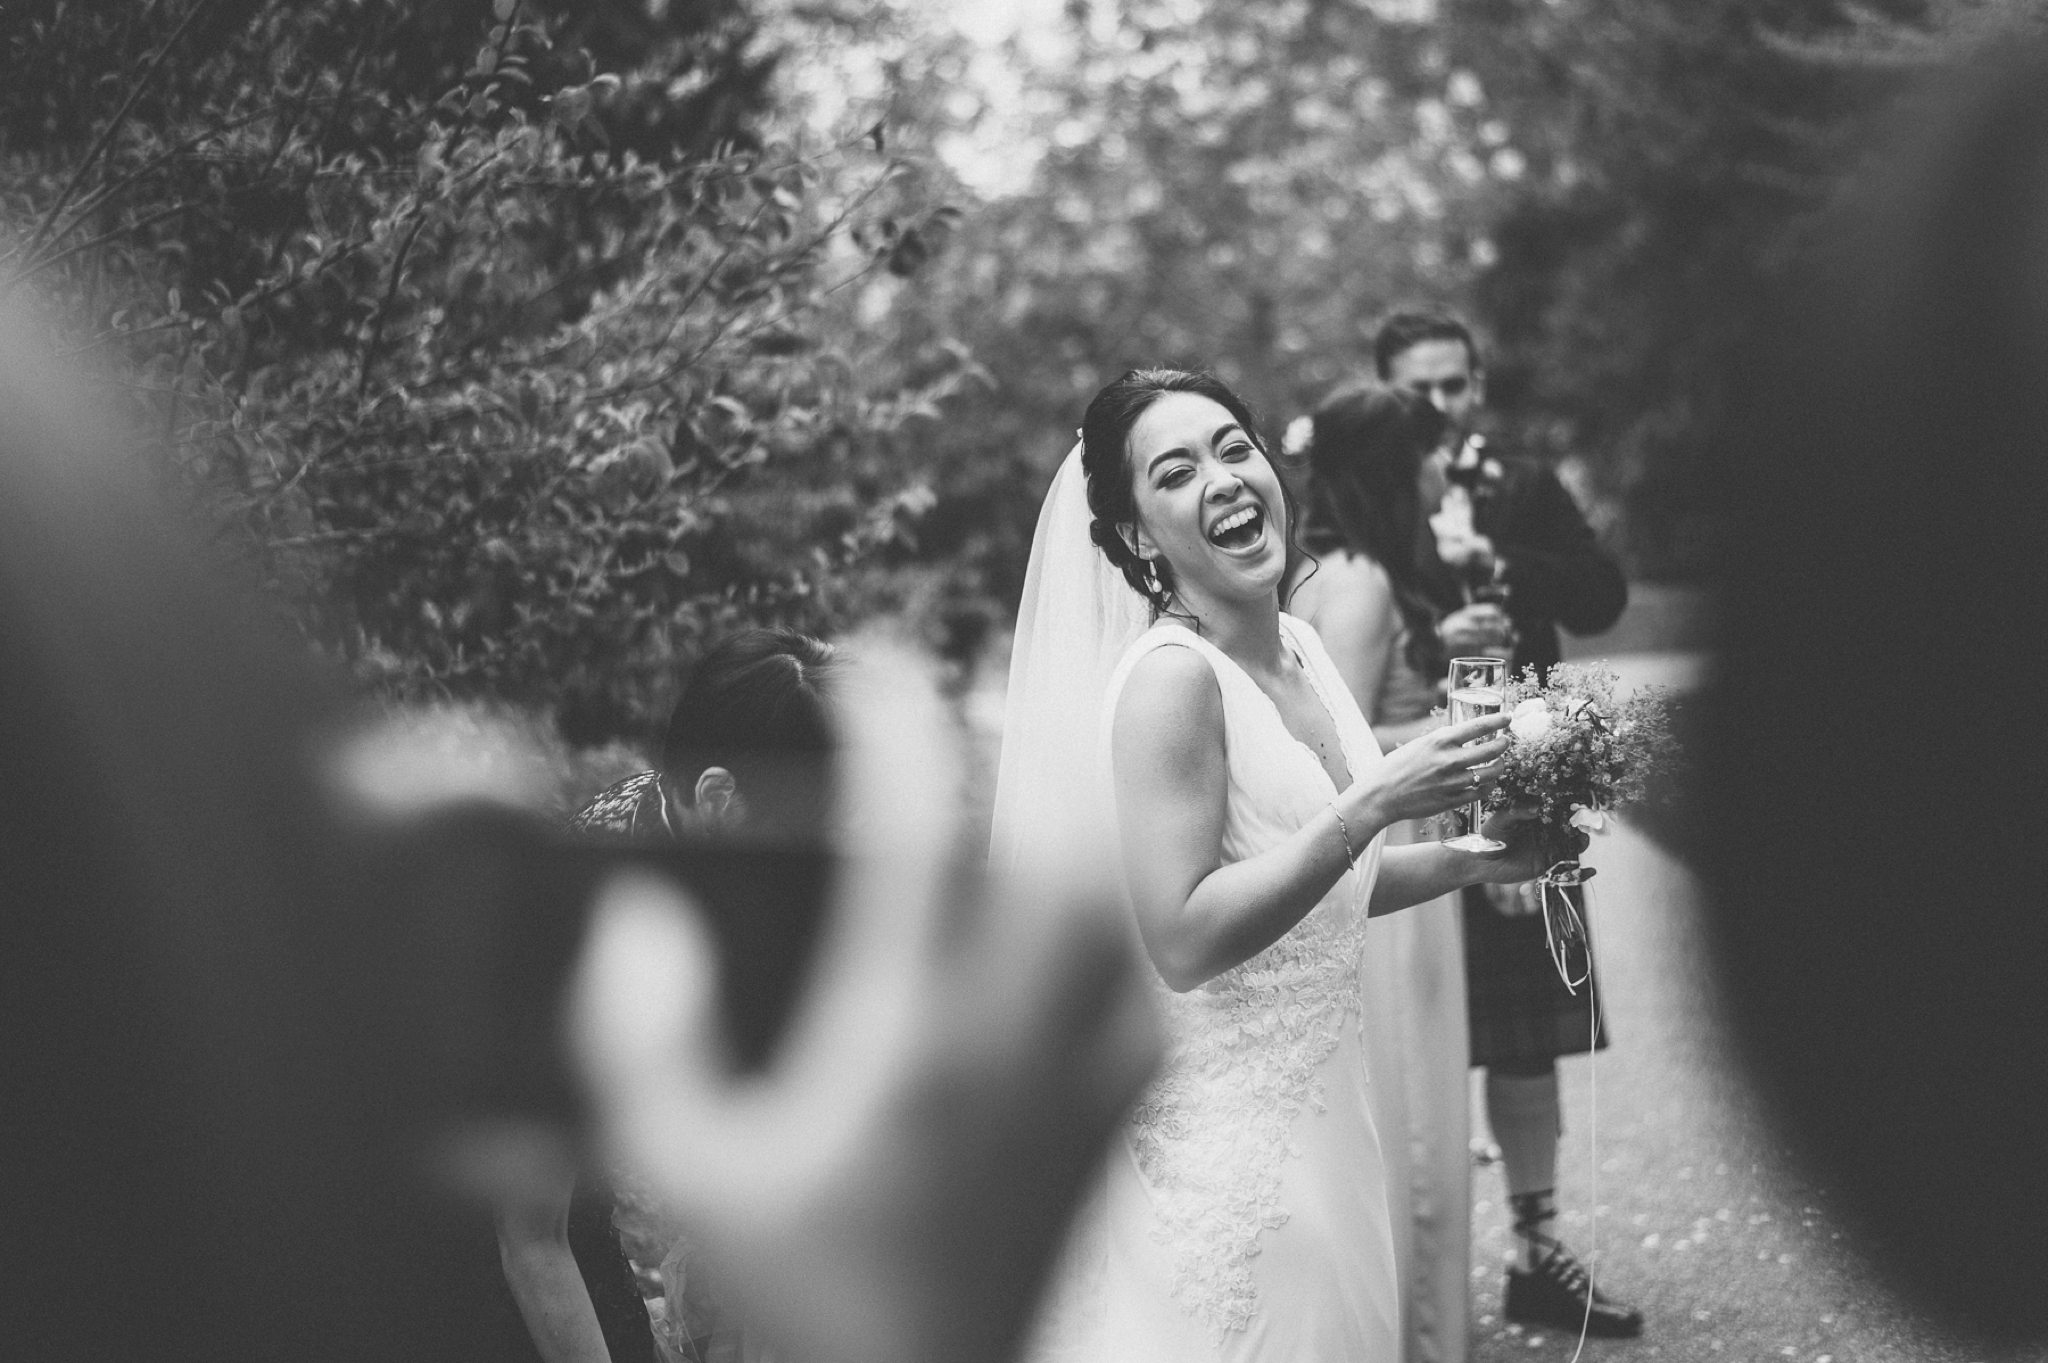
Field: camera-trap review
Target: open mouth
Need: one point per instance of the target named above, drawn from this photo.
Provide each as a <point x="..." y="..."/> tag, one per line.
<point x="1239" y="530"/>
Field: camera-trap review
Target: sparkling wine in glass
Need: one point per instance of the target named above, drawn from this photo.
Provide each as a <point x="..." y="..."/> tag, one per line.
<point x="1478" y="687"/>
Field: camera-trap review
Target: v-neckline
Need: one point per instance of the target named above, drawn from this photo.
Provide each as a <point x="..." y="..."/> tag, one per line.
<point x="1293" y="647"/>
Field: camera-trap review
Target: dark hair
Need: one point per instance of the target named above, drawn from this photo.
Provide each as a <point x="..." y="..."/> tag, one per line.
<point x="1368" y="445"/>
<point x="1402" y="330"/>
<point x="756" y="703"/>
<point x="1112" y="486"/>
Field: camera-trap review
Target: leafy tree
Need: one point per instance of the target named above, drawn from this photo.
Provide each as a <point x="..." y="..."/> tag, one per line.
<point x="1241" y="187"/>
<point x="1609" y="187"/>
<point x="1685" y="145"/>
<point x="501" y="339"/>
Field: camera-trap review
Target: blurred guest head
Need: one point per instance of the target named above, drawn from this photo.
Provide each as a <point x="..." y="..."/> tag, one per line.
<point x="1368" y="446"/>
<point x="750" y="738"/>
<point x="1365" y="455"/>
<point x="1875" y="761"/>
<point x="1433" y="355"/>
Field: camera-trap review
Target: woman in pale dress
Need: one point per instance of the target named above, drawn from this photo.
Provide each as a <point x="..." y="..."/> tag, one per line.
<point x="1365" y="454"/>
<point x="1161" y="699"/>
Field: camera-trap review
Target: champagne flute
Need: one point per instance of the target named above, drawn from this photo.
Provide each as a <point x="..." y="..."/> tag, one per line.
<point x="1478" y="687"/>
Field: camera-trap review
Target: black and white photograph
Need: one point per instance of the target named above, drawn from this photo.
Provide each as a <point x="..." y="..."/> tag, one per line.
<point x="1024" y="681"/>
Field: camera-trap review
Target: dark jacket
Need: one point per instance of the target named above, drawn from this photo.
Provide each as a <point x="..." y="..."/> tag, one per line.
<point x="1555" y="571"/>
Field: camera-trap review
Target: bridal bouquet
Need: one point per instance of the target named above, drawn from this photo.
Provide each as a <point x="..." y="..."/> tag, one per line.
<point x="1575" y="755"/>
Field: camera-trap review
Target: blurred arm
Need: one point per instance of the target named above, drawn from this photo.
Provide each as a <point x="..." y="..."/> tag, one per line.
<point x="540" y="1269"/>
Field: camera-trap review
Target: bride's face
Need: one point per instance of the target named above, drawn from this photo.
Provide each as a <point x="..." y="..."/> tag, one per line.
<point x="1208" y="501"/>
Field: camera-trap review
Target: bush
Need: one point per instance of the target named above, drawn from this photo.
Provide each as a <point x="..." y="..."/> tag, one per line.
<point x="510" y="374"/>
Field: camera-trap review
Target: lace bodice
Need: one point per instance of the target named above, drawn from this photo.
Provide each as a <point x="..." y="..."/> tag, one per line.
<point x="1212" y="1134"/>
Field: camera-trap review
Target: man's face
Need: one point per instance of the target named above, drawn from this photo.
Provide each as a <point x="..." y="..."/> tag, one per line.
<point x="1441" y="370"/>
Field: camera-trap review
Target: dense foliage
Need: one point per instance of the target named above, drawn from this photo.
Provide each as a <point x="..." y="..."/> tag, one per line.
<point x="513" y="371"/>
<point x="1679" y="153"/>
<point x="1610" y="188"/>
<point x="516" y="344"/>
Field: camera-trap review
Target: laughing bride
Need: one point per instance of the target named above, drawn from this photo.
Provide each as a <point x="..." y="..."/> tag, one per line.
<point x="1162" y="703"/>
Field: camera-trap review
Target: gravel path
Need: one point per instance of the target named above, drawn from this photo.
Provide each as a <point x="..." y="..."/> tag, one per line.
<point x="1704" y="1223"/>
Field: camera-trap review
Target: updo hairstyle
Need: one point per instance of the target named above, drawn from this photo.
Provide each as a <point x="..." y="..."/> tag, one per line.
<point x="1112" y="489"/>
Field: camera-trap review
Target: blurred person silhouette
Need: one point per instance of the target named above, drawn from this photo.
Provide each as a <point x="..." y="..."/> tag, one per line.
<point x="1873" y="770"/>
<point x="1502" y="556"/>
<point x="1366" y="453"/>
<point x="747" y="753"/>
<point x="755" y="706"/>
<point x="275" y="1007"/>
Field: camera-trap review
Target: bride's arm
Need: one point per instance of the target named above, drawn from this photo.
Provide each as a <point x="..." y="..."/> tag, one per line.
<point x="1419" y="872"/>
<point x="1416" y="873"/>
<point x="1197" y="916"/>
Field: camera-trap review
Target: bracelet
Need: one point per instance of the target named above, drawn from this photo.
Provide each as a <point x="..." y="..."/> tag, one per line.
<point x="1344" y="832"/>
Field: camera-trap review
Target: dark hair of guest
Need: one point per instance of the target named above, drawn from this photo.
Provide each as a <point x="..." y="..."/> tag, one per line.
<point x="1367" y="448"/>
<point x="756" y="704"/>
<point x="1112" y="483"/>
<point x="1403" y="330"/>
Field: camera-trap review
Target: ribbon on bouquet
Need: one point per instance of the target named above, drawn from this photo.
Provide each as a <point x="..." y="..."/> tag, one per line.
<point x="1564" y="929"/>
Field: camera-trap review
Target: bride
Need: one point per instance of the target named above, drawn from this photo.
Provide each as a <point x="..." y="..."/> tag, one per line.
<point x="1162" y="704"/>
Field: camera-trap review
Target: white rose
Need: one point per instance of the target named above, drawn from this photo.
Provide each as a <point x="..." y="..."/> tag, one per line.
<point x="1531" y="722"/>
<point x="1587" y="819"/>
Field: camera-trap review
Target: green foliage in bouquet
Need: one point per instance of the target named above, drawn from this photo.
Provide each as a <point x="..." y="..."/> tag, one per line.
<point x="1577" y="753"/>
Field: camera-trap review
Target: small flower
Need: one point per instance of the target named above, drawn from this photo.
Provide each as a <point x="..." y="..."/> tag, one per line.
<point x="1532" y="722"/>
<point x="1294" y="441"/>
<point x="1587" y="819"/>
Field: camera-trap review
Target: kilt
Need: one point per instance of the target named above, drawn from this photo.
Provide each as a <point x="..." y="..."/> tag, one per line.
<point x="1521" y="1013"/>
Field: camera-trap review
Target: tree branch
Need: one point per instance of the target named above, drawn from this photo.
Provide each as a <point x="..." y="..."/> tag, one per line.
<point x="114" y="124"/>
<point x="376" y="336"/>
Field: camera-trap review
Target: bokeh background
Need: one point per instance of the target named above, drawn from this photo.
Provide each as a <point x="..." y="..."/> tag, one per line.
<point x="516" y="345"/>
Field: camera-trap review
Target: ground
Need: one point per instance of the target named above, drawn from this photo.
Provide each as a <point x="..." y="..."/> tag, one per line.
<point x="1731" y="1250"/>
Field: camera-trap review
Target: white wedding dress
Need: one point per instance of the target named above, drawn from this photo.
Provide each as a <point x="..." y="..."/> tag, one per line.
<point x="1243" y="1213"/>
<point x="1245" y="1216"/>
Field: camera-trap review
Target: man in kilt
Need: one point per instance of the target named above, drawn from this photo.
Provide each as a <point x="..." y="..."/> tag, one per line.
<point x="1512" y="559"/>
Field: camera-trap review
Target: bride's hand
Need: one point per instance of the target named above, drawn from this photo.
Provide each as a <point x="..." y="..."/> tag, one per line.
<point x="1440" y="770"/>
<point x="1525" y="857"/>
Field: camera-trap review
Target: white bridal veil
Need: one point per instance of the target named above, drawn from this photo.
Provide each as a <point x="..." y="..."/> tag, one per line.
<point x="1054" y="820"/>
<point x="1077" y="617"/>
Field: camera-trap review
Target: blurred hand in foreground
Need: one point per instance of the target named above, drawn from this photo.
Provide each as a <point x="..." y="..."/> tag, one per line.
<point x="894" y="1187"/>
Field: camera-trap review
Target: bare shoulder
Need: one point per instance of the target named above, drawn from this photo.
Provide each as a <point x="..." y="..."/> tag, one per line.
<point x="1346" y="590"/>
<point x="1171" y="703"/>
<point x="1172" y="680"/>
<point x="1347" y="572"/>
